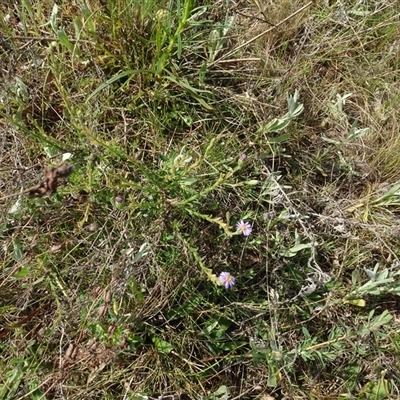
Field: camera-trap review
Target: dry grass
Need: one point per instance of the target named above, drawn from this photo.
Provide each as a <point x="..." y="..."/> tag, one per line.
<point x="109" y="286"/>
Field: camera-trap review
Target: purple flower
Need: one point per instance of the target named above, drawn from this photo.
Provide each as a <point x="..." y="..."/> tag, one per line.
<point x="244" y="227"/>
<point x="227" y="279"/>
<point x="243" y="156"/>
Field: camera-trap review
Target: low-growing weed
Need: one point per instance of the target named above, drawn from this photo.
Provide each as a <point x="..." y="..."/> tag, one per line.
<point x="199" y="200"/>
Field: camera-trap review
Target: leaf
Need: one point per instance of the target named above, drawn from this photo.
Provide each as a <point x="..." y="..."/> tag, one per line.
<point x="363" y="331"/>
<point x="332" y="141"/>
<point x="295" y="249"/>
<point x="139" y="396"/>
<point x="203" y="72"/>
<point x="372" y="273"/>
<point x="377" y="390"/>
<point x="16" y="206"/>
<point x="179" y="45"/>
<point x="161" y="345"/>
<point x="380" y="320"/>
<point x="143" y="251"/>
<point x="357" y="133"/>
<point x="214" y="47"/>
<point x="115" y="79"/>
<point x="66" y="156"/>
<point x="63" y="38"/>
<point x="53" y="17"/>
<point x="22" y="89"/>
<point x="355" y="302"/>
<point x="18" y="251"/>
<point x="88" y="18"/>
<point x="274" y="376"/>
<point x="78" y="26"/>
<point x="222" y="393"/>
<point x="306" y="333"/>
<point x="189" y="181"/>
<point x="355" y="277"/>
<point x="193" y="91"/>
<point x="295" y="108"/>
<point x="252" y="182"/>
<point x="299" y="247"/>
<point x="276" y="124"/>
<point x="21" y="273"/>
<point x="35" y="391"/>
<point x="51" y="151"/>
<point x="280" y="138"/>
<point x="12" y="379"/>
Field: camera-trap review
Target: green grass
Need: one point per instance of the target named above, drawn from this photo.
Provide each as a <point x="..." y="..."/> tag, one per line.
<point x="181" y="119"/>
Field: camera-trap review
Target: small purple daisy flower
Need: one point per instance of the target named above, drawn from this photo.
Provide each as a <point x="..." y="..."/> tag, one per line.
<point x="244" y="227"/>
<point x="227" y="279"/>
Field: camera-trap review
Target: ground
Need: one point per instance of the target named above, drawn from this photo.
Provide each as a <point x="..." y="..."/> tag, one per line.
<point x="199" y="201"/>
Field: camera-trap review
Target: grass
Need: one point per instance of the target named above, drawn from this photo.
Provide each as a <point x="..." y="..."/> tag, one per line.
<point x="180" y="120"/>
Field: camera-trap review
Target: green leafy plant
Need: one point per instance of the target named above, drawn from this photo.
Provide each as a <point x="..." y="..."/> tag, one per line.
<point x="229" y="230"/>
